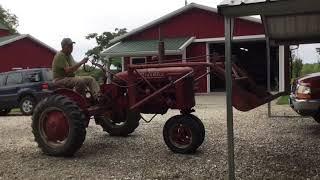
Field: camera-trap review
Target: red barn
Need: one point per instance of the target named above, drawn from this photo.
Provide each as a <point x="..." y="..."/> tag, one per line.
<point x="23" y="51"/>
<point x="196" y="30"/>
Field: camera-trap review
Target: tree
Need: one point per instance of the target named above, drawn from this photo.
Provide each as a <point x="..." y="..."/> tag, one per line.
<point x="103" y="42"/>
<point x="296" y="67"/>
<point x="318" y="53"/>
<point x="8" y="19"/>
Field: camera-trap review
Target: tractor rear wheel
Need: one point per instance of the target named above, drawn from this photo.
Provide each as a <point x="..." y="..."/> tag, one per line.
<point x="183" y="133"/>
<point x="58" y="125"/>
<point x="119" y="125"/>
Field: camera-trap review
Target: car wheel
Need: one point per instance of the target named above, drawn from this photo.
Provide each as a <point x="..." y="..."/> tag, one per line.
<point x="27" y="105"/>
<point x="4" y="112"/>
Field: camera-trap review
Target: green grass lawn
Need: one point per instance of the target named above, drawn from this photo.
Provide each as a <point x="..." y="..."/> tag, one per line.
<point x="15" y="111"/>
<point x="283" y="100"/>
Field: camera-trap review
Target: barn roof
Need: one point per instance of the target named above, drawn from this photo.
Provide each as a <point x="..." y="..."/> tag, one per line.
<point x="7" y="38"/>
<point x="12" y="38"/>
<point x="172" y="14"/>
<point x="148" y="47"/>
<point x="2" y="26"/>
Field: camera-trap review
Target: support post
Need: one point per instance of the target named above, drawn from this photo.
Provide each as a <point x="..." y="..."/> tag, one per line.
<point x="122" y="64"/>
<point x="184" y="55"/>
<point x="282" y="70"/>
<point x="208" y="68"/>
<point x="268" y="72"/>
<point x="161" y="48"/>
<point x="107" y="59"/>
<point x="228" y="23"/>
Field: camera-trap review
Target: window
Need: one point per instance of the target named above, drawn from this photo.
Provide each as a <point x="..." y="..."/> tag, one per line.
<point x="2" y="79"/>
<point x="14" y="78"/>
<point x="138" y="60"/>
<point x="48" y="75"/>
<point x="33" y="76"/>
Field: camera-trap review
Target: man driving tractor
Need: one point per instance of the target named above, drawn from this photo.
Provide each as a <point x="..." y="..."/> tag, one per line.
<point x="64" y="68"/>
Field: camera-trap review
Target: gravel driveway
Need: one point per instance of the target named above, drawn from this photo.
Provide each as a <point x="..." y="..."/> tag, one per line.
<point x="266" y="148"/>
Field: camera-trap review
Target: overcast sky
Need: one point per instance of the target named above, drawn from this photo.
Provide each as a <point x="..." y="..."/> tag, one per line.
<point x="52" y="20"/>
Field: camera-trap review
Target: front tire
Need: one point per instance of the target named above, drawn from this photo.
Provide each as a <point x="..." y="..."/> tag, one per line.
<point x="27" y="105"/>
<point x="183" y="133"/>
<point x="58" y="125"/>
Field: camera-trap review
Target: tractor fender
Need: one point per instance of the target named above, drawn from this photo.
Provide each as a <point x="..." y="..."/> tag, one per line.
<point x="74" y="96"/>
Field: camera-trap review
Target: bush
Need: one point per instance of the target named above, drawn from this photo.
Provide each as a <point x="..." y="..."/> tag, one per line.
<point x="283" y="100"/>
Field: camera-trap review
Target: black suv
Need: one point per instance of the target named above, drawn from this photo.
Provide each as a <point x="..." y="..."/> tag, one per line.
<point x="23" y="89"/>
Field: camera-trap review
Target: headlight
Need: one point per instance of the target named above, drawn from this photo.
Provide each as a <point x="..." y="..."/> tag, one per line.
<point x="303" y="89"/>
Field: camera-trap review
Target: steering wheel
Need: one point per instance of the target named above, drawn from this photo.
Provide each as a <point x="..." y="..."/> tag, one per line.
<point x="90" y="68"/>
<point x="94" y="65"/>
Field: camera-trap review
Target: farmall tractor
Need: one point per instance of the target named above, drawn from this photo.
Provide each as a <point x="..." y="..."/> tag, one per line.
<point x="60" y="121"/>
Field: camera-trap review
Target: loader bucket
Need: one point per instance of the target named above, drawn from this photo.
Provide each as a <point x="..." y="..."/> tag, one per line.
<point x="244" y="99"/>
<point x="246" y="94"/>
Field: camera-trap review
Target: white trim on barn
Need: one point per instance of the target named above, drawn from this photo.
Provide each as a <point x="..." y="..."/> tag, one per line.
<point x="236" y="38"/>
<point x="186" y="44"/>
<point x="172" y="14"/>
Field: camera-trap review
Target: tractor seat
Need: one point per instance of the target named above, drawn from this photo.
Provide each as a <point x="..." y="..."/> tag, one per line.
<point x="56" y="86"/>
<point x="59" y="86"/>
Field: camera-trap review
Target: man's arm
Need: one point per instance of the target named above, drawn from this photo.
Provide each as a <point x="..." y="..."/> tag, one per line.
<point x="75" y="67"/>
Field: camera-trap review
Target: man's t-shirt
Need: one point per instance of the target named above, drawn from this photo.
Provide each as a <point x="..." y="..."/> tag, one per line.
<point x="60" y="61"/>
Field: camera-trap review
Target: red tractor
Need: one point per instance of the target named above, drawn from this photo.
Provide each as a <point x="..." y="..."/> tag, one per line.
<point x="60" y="121"/>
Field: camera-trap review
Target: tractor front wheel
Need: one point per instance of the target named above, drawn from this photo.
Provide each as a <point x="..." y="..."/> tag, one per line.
<point x="119" y="124"/>
<point x="183" y="133"/>
<point x="58" y="125"/>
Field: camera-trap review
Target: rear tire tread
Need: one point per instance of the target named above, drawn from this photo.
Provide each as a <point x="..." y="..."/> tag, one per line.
<point x="76" y="120"/>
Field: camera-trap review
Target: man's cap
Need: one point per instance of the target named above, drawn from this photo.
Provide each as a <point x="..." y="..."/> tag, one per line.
<point x="66" y="41"/>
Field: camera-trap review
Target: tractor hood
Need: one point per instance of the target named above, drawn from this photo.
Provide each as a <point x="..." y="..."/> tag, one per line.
<point x="158" y="73"/>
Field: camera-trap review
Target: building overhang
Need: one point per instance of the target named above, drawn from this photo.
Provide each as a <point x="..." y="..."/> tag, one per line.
<point x="285" y="21"/>
<point x="174" y="46"/>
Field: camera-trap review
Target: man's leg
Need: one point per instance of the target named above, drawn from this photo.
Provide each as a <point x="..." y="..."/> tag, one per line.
<point x="92" y="84"/>
<point x="73" y="82"/>
<point x="81" y="83"/>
